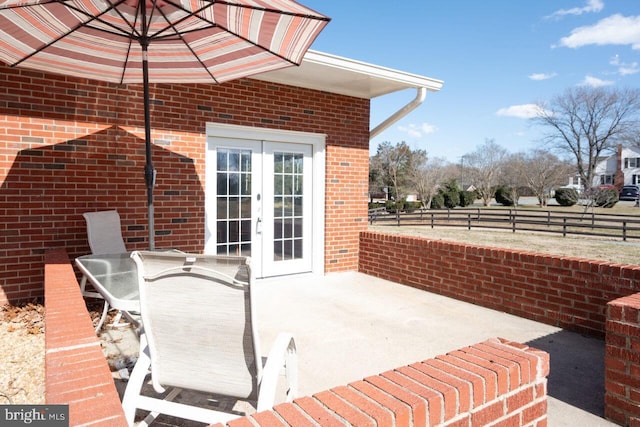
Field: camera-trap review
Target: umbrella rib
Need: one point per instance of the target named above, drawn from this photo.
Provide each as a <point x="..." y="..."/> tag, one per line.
<point x="171" y="25"/>
<point x="91" y="18"/>
<point x="270" y="10"/>
<point x="130" y="30"/>
<point x="265" y="9"/>
<point x="57" y="39"/>
<point x="117" y="30"/>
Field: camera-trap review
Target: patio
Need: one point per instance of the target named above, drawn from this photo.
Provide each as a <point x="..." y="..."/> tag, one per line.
<point x="351" y="325"/>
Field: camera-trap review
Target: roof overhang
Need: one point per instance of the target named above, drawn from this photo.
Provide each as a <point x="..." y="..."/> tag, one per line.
<point x="344" y="76"/>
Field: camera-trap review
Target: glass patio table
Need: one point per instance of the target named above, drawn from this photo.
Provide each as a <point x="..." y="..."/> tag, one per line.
<point x="114" y="276"/>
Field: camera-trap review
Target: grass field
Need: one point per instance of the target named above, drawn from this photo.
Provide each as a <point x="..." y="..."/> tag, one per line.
<point x="612" y="250"/>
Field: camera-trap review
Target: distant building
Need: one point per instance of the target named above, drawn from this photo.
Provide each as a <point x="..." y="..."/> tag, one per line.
<point x="621" y="168"/>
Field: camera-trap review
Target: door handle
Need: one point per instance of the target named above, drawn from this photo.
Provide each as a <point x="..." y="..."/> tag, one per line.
<point x="259" y="225"/>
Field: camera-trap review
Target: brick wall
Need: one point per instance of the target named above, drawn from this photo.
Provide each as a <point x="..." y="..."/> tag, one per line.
<point x="622" y="361"/>
<point x="76" y="372"/>
<point x="566" y="292"/>
<point x="71" y="145"/>
<point x="495" y="382"/>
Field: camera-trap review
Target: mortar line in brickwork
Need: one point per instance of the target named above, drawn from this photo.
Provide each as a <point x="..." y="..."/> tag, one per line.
<point x="72" y="347"/>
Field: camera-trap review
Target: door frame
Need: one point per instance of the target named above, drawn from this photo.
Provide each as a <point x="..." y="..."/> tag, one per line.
<point x="318" y="143"/>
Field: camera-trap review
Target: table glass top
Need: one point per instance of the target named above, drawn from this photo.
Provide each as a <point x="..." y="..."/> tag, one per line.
<point x="116" y="273"/>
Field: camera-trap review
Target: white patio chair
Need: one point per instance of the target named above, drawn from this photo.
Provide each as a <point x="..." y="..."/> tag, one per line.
<point x="104" y="234"/>
<point x="199" y="333"/>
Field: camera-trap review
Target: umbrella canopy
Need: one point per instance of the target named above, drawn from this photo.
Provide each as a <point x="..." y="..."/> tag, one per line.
<point x="159" y="41"/>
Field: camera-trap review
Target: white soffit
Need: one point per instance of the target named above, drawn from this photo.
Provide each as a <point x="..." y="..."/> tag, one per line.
<point x="335" y="74"/>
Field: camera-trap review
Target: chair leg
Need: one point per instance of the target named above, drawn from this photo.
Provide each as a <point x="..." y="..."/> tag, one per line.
<point x="282" y="355"/>
<point x="105" y="310"/>
<point x="153" y="415"/>
<point x="136" y="381"/>
<point x="291" y="373"/>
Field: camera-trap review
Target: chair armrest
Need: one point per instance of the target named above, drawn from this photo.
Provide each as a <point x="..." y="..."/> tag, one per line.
<point x="282" y="354"/>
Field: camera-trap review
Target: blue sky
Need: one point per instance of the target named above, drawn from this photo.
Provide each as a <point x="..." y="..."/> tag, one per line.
<point x="496" y="58"/>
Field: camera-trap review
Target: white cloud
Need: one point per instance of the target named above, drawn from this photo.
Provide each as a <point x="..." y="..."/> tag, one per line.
<point x="595" y="82"/>
<point x="592" y="6"/>
<point x="616" y="29"/>
<point x="524" y="111"/>
<point x="625" y="69"/>
<point x="417" y="131"/>
<point x="542" y="76"/>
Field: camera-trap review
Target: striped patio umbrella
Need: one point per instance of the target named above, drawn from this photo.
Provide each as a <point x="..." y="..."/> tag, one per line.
<point x="159" y="41"/>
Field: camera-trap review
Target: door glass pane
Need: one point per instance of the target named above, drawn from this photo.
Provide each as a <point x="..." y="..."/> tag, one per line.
<point x="288" y="170"/>
<point x="245" y="207"/>
<point x="221" y="208"/>
<point x="297" y="207"/>
<point x="233" y="235"/>
<point x="245" y="186"/>
<point x="222" y="160"/>
<point x="222" y="184"/>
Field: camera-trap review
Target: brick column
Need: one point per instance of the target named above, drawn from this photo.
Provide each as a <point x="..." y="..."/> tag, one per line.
<point x="622" y="361"/>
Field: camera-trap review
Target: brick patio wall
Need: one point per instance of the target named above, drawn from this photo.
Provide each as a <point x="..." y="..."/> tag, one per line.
<point x="69" y="145"/>
<point x="493" y="383"/>
<point x="566" y="292"/>
<point x="622" y="368"/>
<point x="76" y="371"/>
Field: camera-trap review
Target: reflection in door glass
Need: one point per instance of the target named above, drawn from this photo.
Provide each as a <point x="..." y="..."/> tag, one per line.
<point x="287" y="206"/>
<point x="233" y="225"/>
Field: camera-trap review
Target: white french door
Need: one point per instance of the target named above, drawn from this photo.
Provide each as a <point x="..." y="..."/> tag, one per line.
<point x="259" y="203"/>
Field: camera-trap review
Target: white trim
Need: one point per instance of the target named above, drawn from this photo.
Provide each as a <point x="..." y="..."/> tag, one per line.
<point x="372" y="70"/>
<point x="335" y="74"/>
<point x="318" y="143"/>
<point x="223" y="130"/>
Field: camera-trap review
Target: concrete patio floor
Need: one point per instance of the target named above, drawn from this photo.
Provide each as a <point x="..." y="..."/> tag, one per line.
<point x="349" y="325"/>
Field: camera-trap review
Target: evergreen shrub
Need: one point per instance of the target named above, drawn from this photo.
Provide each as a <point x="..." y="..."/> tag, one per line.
<point x="566" y="196"/>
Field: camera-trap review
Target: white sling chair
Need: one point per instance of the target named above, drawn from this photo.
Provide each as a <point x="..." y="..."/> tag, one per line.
<point x="104" y="234"/>
<point x="199" y="333"/>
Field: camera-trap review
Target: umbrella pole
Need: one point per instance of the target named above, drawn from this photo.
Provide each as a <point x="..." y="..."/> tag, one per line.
<point x="149" y="171"/>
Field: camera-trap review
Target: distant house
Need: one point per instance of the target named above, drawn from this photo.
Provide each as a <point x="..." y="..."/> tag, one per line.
<point x="621" y="168"/>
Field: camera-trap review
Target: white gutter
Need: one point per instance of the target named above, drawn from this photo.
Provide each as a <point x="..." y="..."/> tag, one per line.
<point x="402" y="112"/>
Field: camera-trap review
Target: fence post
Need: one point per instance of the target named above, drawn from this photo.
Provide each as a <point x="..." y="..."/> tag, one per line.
<point x="513" y="222"/>
<point x="431" y="219"/>
<point x="469" y="221"/>
<point x="624" y="231"/>
<point x="398" y="217"/>
<point x="564" y="227"/>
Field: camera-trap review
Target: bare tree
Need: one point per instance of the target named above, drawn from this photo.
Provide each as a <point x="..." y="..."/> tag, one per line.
<point x="586" y="122"/>
<point x="427" y="177"/>
<point x="543" y="172"/>
<point x="483" y="168"/>
<point x="512" y="175"/>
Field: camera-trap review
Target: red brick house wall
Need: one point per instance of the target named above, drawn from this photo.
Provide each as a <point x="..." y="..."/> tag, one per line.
<point x="71" y="145"/>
